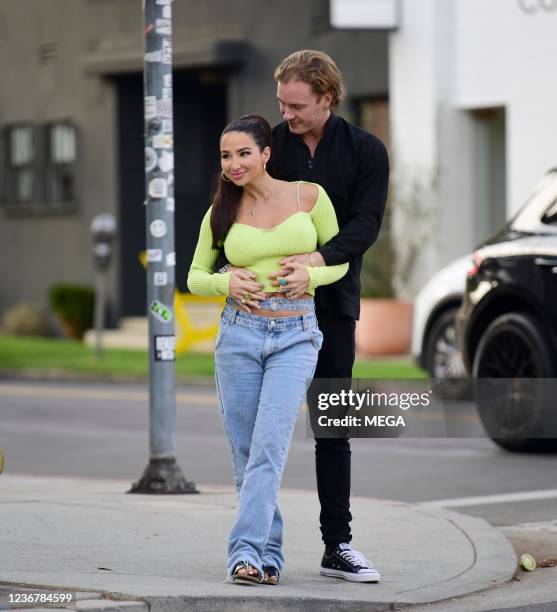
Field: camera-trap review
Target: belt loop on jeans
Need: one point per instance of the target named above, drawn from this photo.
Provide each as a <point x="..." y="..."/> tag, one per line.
<point x="234" y="315"/>
<point x="305" y="320"/>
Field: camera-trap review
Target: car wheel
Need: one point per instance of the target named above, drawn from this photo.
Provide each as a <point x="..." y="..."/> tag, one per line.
<point x="515" y="412"/>
<point x="443" y="359"/>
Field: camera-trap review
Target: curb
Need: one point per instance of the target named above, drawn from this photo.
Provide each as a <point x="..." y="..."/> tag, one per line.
<point x="494" y="556"/>
<point x="494" y="563"/>
<point x="263" y="604"/>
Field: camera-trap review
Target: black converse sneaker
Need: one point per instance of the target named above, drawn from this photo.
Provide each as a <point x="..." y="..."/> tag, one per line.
<point x="343" y="562"/>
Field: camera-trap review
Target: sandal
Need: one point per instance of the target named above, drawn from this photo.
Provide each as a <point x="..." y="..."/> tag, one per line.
<point x="241" y="573"/>
<point x="271" y="575"/>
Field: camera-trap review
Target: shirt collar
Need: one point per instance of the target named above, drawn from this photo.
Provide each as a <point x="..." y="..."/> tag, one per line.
<point x="330" y="124"/>
<point x="327" y="128"/>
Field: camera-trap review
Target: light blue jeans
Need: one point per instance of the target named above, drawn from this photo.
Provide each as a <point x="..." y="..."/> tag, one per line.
<point x="263" y="367"/>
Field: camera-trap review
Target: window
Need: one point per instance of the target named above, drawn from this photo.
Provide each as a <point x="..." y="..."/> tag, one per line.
<point x="60" y="163"/>
<point x="40" y="166"/>
<point x="21" y="177"/>
<point x="372" y="114"/>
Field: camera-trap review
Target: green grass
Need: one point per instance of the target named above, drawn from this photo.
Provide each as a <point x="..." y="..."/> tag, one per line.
<point x="51" y="355"/>
<point x="387" y="368"/>
<point x="17" y="352"/>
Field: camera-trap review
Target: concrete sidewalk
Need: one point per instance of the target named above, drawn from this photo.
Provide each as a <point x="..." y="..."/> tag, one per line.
<point x="169" y="553"/>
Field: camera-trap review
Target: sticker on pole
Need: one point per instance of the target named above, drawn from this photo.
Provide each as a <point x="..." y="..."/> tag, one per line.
<point x="153" y="56"/>
<point x="157" y="228"/>
<point x="158" y="188"/>
<point x="150" y="159"/>
<point x="163" y="141"/>
<point x="165" y="348"/>
<point x="163" y="26"/>
<point x="164" y="108"/>
<point x="166" y="161"/>
<point x="167" y="80"/>
<point x="166" y="51"/>
<point x="150" y="107"/>
<point x="161" y="312"/>
<point x="160" y="279"/>
<point x="171" y="259"/>
<point x="154" y="255"/>
<point x="166" y="11"/>
<point x="170" y="204"/>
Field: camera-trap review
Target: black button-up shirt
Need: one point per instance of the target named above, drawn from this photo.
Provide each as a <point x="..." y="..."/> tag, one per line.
<point x="353" y="168"/>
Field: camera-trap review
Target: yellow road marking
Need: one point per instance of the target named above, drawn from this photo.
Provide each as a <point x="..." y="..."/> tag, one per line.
<point x="100" y="394"/>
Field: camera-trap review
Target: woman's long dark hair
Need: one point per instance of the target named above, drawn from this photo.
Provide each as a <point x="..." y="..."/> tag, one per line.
<point x="228" y="195"/>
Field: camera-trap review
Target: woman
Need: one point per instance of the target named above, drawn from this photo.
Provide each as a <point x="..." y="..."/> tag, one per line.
<point x="268" y="340"/>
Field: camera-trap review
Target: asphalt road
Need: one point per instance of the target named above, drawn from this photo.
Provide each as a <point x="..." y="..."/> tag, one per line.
<point x="101" y="431"/>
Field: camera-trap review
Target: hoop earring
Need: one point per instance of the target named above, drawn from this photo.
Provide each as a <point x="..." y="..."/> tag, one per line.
<point x="226" y="180"/>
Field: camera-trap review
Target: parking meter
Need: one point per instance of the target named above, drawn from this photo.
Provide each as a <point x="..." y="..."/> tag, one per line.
<point x="103" y="230"/>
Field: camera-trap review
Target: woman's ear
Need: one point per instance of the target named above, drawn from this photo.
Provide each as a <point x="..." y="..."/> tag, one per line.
<point x="266" y="154"/>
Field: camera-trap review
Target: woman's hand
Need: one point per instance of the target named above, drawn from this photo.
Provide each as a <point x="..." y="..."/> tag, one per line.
<point x="244" y="289"/>
<point x="297" y="279"/>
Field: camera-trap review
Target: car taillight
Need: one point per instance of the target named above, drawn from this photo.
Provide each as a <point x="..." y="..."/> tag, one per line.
<point x="474" y="265"/>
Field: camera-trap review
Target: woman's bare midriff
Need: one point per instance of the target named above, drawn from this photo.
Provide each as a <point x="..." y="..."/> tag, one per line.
<point x="265" y="312"/>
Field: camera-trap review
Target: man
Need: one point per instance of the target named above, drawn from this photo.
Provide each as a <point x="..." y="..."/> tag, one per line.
<point x="314" y="144"/>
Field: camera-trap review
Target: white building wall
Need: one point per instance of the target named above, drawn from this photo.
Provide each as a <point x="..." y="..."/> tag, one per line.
<point x="412" y="87"/>
<point x="420" y="79"/>
<point x="446" y="58"/>
<point x="506" y="56"/>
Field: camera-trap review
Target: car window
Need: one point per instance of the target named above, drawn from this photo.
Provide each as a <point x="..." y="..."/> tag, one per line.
<point x="550" y="215"/>
<point x="528" y="218"/>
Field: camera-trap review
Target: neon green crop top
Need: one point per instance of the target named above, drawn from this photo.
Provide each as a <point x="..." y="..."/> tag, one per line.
<point x="260" y="250"/>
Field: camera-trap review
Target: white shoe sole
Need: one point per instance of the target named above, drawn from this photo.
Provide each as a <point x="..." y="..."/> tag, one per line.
<point x="369" y="576"/>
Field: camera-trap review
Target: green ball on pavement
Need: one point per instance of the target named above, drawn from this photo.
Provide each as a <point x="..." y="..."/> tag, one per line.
<point x="527" y="562"/>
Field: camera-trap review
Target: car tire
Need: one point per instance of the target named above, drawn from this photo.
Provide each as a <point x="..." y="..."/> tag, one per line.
<point x="515" y="413"/>
<point x="443" y="360"/>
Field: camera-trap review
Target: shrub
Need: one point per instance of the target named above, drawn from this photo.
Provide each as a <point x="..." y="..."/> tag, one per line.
<point x="73" y="305"/>
<point x="378" y="264"/>
<point x="24" y="320"/>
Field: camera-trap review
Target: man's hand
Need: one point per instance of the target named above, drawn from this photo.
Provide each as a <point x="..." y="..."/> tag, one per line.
<point x="308" y="259"/>
<point x="244" y="289"/>
<point x="296" y="276"/>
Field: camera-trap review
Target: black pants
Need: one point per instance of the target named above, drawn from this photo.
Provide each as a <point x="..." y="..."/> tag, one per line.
<point x="332" y="455"/>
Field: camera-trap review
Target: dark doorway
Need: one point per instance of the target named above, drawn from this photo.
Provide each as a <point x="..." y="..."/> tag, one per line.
<point x="199" y="117"/>
<point x="490" y="172"/>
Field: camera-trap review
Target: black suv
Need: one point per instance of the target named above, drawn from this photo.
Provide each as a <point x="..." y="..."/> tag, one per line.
<point x="507" y="326"/>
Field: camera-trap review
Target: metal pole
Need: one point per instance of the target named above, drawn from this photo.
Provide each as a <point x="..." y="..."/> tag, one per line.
<point x="163" y="474"/>
<point x="100" y="299"/>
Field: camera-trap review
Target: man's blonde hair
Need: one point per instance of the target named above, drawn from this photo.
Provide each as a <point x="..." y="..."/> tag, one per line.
<point x="316" y="69"/>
